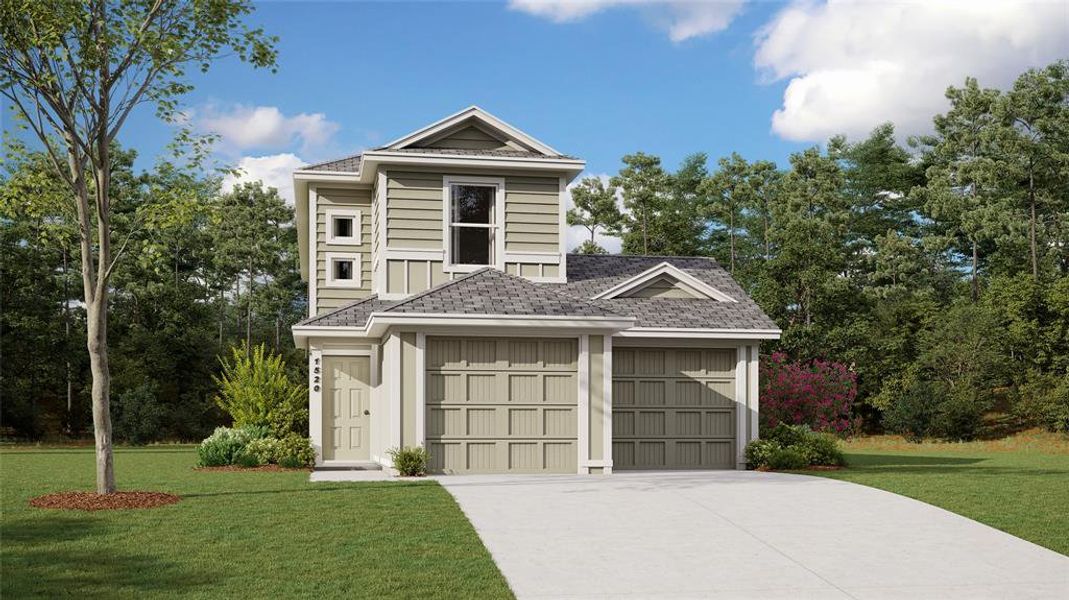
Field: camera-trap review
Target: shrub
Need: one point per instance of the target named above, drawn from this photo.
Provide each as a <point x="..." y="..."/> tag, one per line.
<point x="265" y="450"/>
<point x="818" y="393"/>
<point x="789" y="447"/>
<point x="295" y="451"/>
<point x="922" y="409"/>
<point x="255" y="388"/>
<point x="759" y="451"/>
<point x="223" y="446"/>
<point x="248" y="459"/>
<point x="787" y="459"/>
<point x="1043" y="400"/>
<point x="410" y="461"/>
<point x="138" y="415"/>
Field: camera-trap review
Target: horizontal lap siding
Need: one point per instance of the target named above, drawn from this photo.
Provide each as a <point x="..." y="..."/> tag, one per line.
<point x="470" y="138"/>
<point x="673" y="408"/>
<point x="414" y="210"/>
<point x="499" y="404"/>
<point x="330" y="298"/>
<point x="532" y="214"/>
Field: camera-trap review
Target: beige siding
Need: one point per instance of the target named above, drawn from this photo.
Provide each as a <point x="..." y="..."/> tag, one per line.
<point x="470" y="138"/>
<point x="414" y="210"/>
<point x="408" y="390"/>
<point x="331" y="298"/>
<point x="532" y="214"/>
<point x="664" y="287"/>
<point x="673" y="408"/>
<point x="502" y="404"/>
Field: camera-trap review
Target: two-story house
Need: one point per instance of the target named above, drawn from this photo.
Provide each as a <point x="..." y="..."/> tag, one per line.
<point x="445" y="312"/>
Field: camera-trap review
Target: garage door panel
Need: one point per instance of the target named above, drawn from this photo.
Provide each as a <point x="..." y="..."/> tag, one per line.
<point x="673" y="408"/>
<point x="485" y="414"/>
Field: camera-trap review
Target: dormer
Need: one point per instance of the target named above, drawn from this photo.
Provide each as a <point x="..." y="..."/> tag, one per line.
<point x="463" y="193"/>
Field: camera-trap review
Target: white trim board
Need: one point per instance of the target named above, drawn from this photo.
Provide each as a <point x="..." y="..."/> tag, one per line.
<point x="473" y="113"/>
<point x="355" y="215"/>
<point x="638" y="281"/>
<point x="497" y="228"/>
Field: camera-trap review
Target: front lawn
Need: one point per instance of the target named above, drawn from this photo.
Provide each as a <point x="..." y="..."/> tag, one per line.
<point x="1019" y="485"/>
<point x="250" y="535"/>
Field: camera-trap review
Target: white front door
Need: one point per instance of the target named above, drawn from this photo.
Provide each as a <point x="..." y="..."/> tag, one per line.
<point x="346" y="408"/>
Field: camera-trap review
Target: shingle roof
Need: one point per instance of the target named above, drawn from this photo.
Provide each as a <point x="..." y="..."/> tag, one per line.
<point x="349" y="164"/>
<point x="476" y="152"/>
<point x="483" y="292"/>
<point x="590" y="274"/>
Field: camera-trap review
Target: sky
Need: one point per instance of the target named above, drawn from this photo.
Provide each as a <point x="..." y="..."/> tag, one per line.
<point x="601" y="78"/>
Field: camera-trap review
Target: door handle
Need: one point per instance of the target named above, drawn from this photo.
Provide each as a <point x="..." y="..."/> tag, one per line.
<point x="367" y="412"/>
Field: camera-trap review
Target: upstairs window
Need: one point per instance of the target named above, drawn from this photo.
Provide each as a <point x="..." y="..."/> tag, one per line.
<point x="472" y="228"/>
<point x="344" y="270"/>
<point x="343" y="226"/>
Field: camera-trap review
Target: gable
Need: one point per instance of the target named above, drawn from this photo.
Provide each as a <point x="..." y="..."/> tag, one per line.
<point x="664" y="281"/>
<point x="472" y="129"/>
<point x="469" y="137"/>
<point x="663" y="286"/>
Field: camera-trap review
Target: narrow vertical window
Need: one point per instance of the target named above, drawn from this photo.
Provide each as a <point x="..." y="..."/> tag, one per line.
<point x="472" y="224"/>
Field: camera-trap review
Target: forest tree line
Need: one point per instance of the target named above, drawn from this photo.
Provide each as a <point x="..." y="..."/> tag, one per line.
<point x="936" y="270"/>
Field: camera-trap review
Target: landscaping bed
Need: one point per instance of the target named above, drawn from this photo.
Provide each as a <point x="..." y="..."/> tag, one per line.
<point x="93" y="501"/>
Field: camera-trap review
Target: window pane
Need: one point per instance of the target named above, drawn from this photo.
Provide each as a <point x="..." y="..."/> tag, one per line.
<point x="343" y="227"/>
<point x="343" y="269"/>
<point x="471" y="246"/>
<point x="473" y="204"/>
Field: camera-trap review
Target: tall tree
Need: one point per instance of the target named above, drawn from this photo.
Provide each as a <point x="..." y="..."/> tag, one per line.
<point x="75" y="71"/>
<point x="730" y="193"/>
<point x="681" y="225"/>
<point x="644" y="184"/>
<point x="595" y="208"/>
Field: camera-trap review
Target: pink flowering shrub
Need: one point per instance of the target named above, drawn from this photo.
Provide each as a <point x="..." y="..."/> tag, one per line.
<point x="817" y="393"/>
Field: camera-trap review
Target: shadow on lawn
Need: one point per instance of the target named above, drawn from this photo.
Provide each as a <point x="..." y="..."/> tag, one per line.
<point x="316" y="488"/>
<point x="51" y="556"/>
<point x="935" y="465"/>
<point x="888" y="460"/>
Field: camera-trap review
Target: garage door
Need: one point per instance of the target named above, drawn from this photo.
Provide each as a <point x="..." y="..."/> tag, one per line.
<point x="673" y="408"/>
<point x="502" y="405"/>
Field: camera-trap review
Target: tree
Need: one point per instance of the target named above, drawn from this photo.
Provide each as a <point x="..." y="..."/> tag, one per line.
<point x="643" y="183"/>
<point x="595" y="208"/>
<point x="75" y="72"/>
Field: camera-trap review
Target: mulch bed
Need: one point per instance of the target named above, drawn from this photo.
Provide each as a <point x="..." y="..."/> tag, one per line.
<point x="273" y="468"/>
<point x="95" y="501"/>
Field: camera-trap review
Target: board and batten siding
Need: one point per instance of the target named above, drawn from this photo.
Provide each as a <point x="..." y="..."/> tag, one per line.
<point x="330" y="298"/>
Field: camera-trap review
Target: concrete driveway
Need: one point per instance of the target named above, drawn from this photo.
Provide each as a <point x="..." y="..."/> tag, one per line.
<point x="732" y="534"/>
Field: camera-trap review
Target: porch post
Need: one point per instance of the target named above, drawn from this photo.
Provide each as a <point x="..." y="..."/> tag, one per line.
<point x="315" y="402"/>
<point x="741" y="426"/>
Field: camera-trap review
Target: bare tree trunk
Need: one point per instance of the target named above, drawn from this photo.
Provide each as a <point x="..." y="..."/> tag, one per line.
<point x="97" y="325"/>
<point x="248" y="308"/>
<point x="731" y="236"/>
<point x="67" y="339"/>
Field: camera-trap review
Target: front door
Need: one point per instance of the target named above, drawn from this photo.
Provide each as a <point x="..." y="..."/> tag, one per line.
<point x="346" y="408"/>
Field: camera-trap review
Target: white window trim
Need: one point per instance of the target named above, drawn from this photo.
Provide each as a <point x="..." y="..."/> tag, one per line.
<point x="358" y="270"/>
<point x="498" y="226"/>
<point x="353" y="213"/>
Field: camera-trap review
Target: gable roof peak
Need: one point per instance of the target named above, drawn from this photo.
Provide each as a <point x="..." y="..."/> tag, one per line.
<point x="472" y="112"/>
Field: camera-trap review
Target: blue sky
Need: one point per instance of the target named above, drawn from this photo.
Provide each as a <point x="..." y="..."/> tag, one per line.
<point x="601" y="78"/>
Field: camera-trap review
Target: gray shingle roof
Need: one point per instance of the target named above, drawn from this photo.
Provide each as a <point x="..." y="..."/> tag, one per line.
<point x="590" y="274"/>
<point x="349" y="164"/>
<point x="483" y="292"/>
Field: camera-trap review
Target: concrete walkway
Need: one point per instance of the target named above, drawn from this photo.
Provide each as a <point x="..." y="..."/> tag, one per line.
<point x="738" y="534"/>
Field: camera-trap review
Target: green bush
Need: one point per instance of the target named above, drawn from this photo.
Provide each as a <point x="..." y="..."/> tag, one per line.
<point x="295" y="451"/>
<point x="265" y="450"/>
<point x="1043" y="400"/>
<point x="759" y="451"/>
<point x="223" y="446"/>
<point x="255" y="388"/>
<point x="138" y="415"/>
<point x="248" y="459"/>
<point x="410" y="461"/>
<point x="787" y="459"/>
<point x="823" y="449"/>
<point x="788" y="447"/>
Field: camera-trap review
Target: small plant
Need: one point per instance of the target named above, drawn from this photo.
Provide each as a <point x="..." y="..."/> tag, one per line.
<point x="410" y="461"/>
<point x="248" y="459"/>
<point x="787" y="459"/>
<point x="265" y="450"/>
<point x="222" y="447"/>
<point x="295" y="452"/>
<point x="255" y="389"/>
<point x="789" y="447"/>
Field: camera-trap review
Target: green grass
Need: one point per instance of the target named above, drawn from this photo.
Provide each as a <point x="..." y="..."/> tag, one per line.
<point x="233" y="534"/>
<point x="1019" y="485"/>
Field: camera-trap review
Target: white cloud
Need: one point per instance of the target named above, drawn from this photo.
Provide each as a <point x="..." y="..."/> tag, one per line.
<point x="265" y="127"/>
<point x="577" y="234"/>
<point x="682" y="19"/>
<point x="274" y="170"/>
<point x="854" y="64"/>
